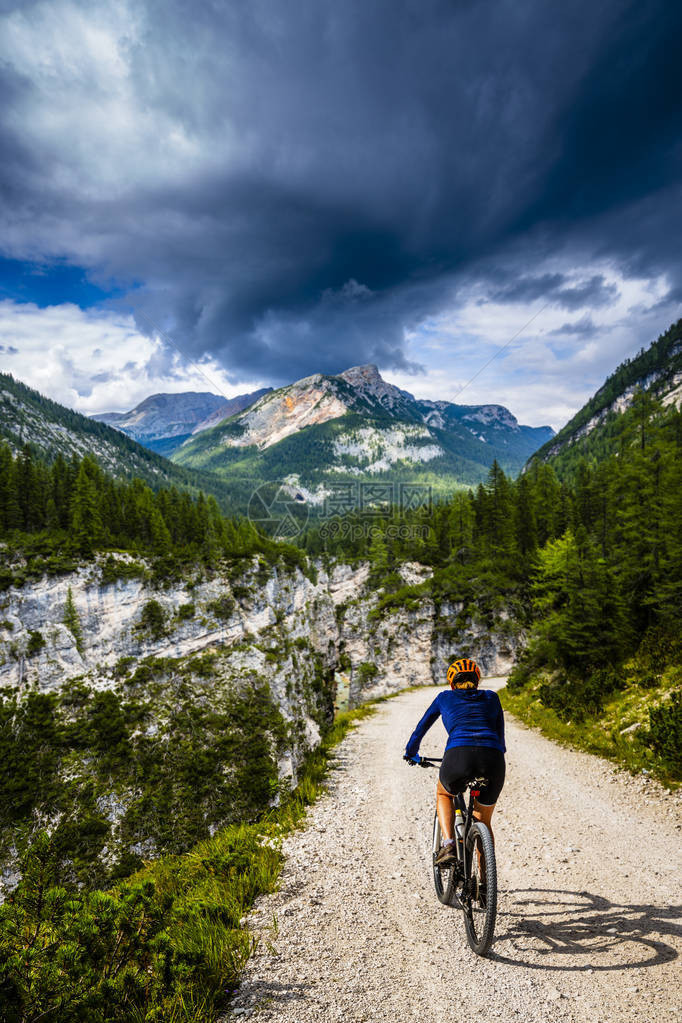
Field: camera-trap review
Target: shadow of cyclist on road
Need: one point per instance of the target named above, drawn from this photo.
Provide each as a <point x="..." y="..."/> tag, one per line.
<point x="546" y="926"/>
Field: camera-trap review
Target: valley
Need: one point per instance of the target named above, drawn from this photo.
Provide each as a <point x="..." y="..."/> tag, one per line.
<point x="173" y="680"/>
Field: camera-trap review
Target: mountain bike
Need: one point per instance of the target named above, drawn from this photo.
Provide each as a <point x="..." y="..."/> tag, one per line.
<point x="471" y="881"/>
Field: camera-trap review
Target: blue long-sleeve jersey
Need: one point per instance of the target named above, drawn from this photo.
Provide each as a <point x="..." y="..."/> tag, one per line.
<point x="472" y="717"/>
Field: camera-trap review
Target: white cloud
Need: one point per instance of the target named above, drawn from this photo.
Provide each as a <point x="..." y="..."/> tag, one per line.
<point x="97" y="361"/>
<point x="546" y="373"/>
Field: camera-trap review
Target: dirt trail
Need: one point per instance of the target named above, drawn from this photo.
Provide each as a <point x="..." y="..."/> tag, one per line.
<point x="590" y="915"/>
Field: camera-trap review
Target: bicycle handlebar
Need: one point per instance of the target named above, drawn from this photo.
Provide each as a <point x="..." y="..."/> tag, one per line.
<point x="427" y="761"/>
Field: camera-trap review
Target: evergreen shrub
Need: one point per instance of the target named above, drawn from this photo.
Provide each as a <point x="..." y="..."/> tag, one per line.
<point x="665" y="732"/>
<point x="36" y="642"/>
<point x="222" y="607"/>
<point x="153" y="620"/>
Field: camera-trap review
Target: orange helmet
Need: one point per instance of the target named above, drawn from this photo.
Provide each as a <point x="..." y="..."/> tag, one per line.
<point x="468" y="669"/>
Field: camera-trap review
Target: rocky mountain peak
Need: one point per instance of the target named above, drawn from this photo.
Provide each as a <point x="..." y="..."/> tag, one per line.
<point x="368" y="381"/>
<point x="163" y="421"/>
<point x="493" y="415"/>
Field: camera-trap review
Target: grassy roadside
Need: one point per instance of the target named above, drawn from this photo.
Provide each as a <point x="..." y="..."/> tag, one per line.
<point x="165" y="946"/>
<point x="620" y="733"/>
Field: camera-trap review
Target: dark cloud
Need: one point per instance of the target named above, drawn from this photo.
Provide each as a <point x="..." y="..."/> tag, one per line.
<point x="584" y="327"/>
<point x="9" y="350"/>
<point x="557" y="289"/>
<point x="591" y="293"/>
<point x="303" y="183"/>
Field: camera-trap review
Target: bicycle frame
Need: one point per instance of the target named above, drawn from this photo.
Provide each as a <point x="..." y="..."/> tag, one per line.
<point x="475" y="786"/>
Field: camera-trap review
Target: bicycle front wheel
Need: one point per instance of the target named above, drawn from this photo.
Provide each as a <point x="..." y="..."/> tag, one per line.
<point x="479" y="900"/>
<point x="443" y="877"/>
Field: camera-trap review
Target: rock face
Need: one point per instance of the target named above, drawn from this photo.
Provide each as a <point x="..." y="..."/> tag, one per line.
<point x="336" y="616"/>
<point x="278" y="415"/>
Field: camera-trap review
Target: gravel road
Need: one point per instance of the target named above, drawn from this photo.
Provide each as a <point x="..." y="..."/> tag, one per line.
<point x="589" y="920"/>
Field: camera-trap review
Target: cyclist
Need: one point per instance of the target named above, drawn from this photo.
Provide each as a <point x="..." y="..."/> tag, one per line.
<point x="474" y="721"/>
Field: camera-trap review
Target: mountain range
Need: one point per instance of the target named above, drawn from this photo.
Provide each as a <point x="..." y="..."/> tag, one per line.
<point x="317" y="431"/>
<point x="324" y="430"/>
<point x="353" y="427"/>
<point x="163" y="421"/>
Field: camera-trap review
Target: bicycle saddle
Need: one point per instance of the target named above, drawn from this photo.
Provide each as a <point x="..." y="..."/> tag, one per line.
<point x="477" y="783"/>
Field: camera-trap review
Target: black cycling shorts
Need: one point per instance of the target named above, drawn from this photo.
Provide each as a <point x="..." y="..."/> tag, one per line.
<point x="462" y="763"/>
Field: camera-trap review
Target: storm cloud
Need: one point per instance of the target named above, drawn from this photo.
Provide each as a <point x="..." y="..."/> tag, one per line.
<point x="289" y="188"/>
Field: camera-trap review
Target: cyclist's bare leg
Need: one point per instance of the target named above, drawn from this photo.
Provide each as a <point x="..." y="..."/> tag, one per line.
<point x="446" y="812"/>
<point x="483" y="814"/>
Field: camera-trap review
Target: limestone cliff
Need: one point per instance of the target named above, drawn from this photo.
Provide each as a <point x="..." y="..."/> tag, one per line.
<point x="238" y="671"/>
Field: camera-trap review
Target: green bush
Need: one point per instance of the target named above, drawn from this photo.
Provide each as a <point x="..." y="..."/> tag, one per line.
<point x="222" y="607"/>
<point x="366" y="672"/>
<point x="204" y="665"/>
<point x="114" y="569"/>
<point x="35" y="644"/>
<point x="153" y="620"/>
<point x="122" y="666"/>
<point x="519" y="676"/>
<point x="186" y="611"/>
<point x="573" y="699"/>
<point x="647" y="680"/>
<point x="665" y="732"/>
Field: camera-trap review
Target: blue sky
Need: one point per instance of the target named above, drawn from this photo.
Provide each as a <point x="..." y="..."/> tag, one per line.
<point x="427" y="186"/>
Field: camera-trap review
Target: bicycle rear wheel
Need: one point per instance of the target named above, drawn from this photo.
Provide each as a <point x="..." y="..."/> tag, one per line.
<point x="443" y="877"/>
<point x="479" y="900"/>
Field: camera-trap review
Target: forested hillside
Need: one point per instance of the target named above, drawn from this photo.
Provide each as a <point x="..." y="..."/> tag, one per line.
<point x="49" y="430"/>
<point x="51" y="516"/>
<point x="593" y="433"/>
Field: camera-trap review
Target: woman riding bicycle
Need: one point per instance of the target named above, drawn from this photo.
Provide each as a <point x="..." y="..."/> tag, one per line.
<point x="474" y="721"/>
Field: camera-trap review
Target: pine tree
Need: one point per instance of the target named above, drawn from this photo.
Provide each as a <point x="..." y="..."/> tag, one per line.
<point x="500" y="516"/>
<point x="86" y="521"/>
<point x="546" y="494"/>
<point x="524" y="520"/>
<point x="378" y="554"/>
<point x="72" y="621"/>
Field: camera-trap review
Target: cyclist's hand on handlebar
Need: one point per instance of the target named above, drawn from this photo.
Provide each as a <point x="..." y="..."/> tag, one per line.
<point x="413" y="761"/>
